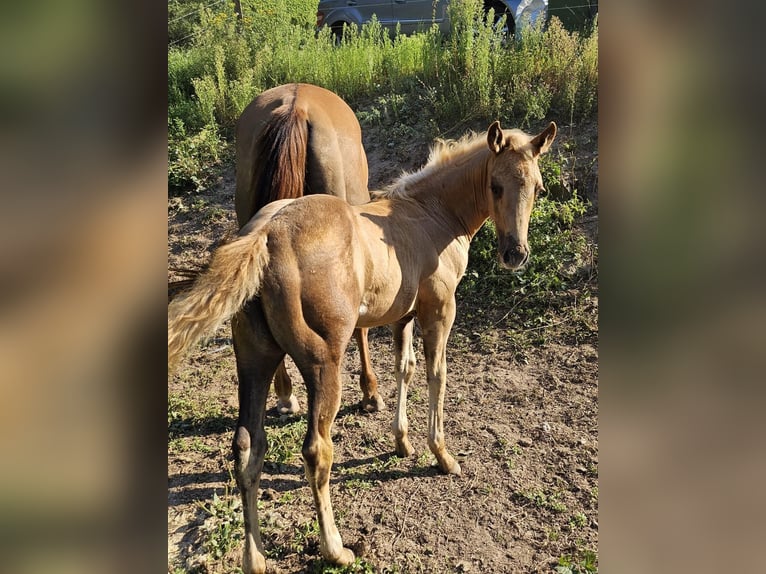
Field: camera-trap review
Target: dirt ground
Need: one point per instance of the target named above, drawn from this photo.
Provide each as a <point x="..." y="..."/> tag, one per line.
<point x="523" y="425"/>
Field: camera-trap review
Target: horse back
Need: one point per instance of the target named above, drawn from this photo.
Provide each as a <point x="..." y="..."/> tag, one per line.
<point x="309" y="130"/>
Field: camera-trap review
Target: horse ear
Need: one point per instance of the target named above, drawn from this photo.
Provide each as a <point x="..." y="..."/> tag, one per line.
<point x="495" y="137"/>
<point x="544" y="139"/>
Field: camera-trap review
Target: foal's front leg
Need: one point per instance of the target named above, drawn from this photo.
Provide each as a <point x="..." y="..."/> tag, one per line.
<point x="405" y="368"/>
<point x="436" y="324"/>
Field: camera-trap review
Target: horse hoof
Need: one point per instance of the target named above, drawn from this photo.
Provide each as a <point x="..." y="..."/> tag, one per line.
<point x="254" y="563"/>
<point x="450" y="466"/>
<point x="288" y="407"/>
<point x="373" y="405"/>
<point x="345" y="558"/>
<point x="404" y="448"/>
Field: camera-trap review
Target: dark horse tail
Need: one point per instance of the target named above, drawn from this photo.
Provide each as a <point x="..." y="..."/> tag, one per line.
<point x="282" y="149"/>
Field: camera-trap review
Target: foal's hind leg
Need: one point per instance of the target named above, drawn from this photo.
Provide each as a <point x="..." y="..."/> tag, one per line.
<point x="324" y="389"/>
<point x="283" y="386"/>
<point x="257" y="358"/>
<point x="372" y="401"/>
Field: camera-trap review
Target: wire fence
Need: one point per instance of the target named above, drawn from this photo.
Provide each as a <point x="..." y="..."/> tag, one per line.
<point x="195" y="11"/>
<point x="189" y="14"/>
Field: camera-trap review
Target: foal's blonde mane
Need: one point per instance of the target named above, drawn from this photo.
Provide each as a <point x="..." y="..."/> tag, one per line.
<point x="442" y="153"/>
<point x="448" y="152"/>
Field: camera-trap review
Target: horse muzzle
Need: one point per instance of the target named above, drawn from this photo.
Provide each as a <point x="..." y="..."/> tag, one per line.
<point x="511" y="254"/>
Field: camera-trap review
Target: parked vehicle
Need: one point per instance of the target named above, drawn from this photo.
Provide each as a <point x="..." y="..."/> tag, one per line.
<point x="414" y="15"/>
<point x="575" y="15"/>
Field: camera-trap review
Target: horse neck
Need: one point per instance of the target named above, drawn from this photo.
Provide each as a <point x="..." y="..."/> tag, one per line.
<point x="463" y="185"/>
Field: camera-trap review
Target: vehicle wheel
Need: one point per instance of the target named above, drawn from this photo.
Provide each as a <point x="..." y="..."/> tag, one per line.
<point x="338" y="31"/>
<point x="500" y="10"/>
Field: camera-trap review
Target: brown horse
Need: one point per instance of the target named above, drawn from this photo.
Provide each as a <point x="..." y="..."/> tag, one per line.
<point x="295" y="140"/>
<point x="303" y="274"/>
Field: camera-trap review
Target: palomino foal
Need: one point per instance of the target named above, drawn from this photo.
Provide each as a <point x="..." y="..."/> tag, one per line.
<point x="304" y="273"/>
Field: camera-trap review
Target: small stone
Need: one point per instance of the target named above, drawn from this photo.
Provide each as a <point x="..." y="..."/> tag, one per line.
<point x="523" y="441"/>
<point x="463" y="566"/>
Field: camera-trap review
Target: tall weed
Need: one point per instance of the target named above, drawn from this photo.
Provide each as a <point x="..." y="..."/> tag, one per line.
<point x="474" y="73"/>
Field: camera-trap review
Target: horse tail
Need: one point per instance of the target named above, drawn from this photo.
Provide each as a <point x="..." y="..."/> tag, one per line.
<point x="232" y="278"/>
<point x="283" y="149"/>
<point x="175" y="288"/>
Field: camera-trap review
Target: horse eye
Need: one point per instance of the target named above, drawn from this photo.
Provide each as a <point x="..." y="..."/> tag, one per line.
<point x="497" y="191"/>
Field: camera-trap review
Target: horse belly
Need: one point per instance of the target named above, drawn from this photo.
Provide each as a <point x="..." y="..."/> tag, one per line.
<point x="385" y="307"/>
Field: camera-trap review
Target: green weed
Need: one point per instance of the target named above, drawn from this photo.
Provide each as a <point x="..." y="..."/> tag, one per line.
<point x="582" y="563"/>
<point x="186" y="413"/>
<point x="578" y="520"/>
<point x="192" y="158"/>
<point x="224" y="526"/>
<point x="540" y="499"/>
<point x="286" y="441"/>
<point x="359" y="566"/>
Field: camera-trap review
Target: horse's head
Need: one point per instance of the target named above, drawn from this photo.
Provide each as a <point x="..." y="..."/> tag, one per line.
<point x="514" y="182"/>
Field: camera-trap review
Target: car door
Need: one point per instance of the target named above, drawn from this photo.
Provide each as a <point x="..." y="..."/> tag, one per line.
<point x="414" y="15"/>
<point x="381" y="8"/>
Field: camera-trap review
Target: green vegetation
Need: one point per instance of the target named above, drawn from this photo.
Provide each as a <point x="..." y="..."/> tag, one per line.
<point x="224" y="526"/>
<point x="285" y="441"/>
<point x="540" y="499"/>
<point x="217" y="64"/>
<point x="584" y="562"/>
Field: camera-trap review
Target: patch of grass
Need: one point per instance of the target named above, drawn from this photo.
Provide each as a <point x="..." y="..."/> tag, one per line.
<point x="540" y="499"/>
<point x="305" y="535"/>
<point x="188" y="413"/>
<point x="359" y="566"/>
<point x="381" y="465"/>
<point x="507" y="452"/>
<point x="224" y="526"/>
<point x="193" y="158"/>
<point x="424" y="462"/>
<point x="353" y="484"/>
<point x="189" y="444"/>
<point x="578" y="520"/>
<point x="286" y="441"/>
<point x="423" y="79"/>
<point x="583" y="562"/>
